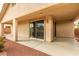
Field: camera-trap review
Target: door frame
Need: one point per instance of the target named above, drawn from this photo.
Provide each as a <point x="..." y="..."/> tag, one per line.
<point x="44" y="30"/>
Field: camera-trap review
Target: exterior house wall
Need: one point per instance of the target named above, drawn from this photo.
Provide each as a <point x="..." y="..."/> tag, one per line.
<point x="17" y="11"/>
<point x="23" y="31"/>
<point x="65" y="29"/>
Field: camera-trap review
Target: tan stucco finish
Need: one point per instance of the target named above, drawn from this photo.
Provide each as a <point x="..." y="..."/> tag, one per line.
<point x="65" y="29"/>
<point x="49" y="28"/>
<point x="23" y="30"/>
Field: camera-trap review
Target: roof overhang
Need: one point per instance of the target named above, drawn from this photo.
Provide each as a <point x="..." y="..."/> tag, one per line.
<point x="60" y="12"/>
<point x="3" y="11"/>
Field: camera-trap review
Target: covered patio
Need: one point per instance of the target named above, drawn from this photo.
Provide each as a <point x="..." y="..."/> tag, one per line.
<point x="58" y="26"/>
<point x="58" y="22"/>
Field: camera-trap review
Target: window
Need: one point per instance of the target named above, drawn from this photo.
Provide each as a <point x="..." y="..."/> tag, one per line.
<point x="7" y="30"/>
<point x="7" y="26"/>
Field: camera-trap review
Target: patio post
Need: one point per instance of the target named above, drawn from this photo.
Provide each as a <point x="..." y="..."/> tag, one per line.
<point x="49" y="28"/>
<point x="15" y="34"/>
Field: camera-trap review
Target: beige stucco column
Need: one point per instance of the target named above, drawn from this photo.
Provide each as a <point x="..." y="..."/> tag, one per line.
<point x="15" y="33"/>
<point x="49" y="28"/>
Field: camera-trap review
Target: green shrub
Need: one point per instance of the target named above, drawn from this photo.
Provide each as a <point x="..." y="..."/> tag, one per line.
<point x="1" y="42"/>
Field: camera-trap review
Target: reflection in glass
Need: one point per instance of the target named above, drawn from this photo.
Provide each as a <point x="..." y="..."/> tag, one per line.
<point x="37" y="29"/>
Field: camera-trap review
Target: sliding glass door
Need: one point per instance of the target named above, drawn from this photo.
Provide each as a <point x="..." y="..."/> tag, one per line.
<point x="37" y="29"/>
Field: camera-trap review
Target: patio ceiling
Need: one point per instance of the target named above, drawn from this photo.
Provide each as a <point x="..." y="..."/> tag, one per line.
<point x="60" y="12"/>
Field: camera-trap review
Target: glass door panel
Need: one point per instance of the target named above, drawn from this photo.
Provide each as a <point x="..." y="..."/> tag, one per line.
<point x="40" y="29"/>
<point x="37" y="29"/>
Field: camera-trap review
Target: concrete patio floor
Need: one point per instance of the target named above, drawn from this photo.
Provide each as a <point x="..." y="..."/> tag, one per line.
<point x="60" y="47"/>
<point x="15" y="49"/>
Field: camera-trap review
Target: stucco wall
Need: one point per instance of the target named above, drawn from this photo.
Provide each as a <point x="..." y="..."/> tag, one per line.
<point x="65" y="29"/>
<point x="21" y="9"/>
<point x="23" y="31"/>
